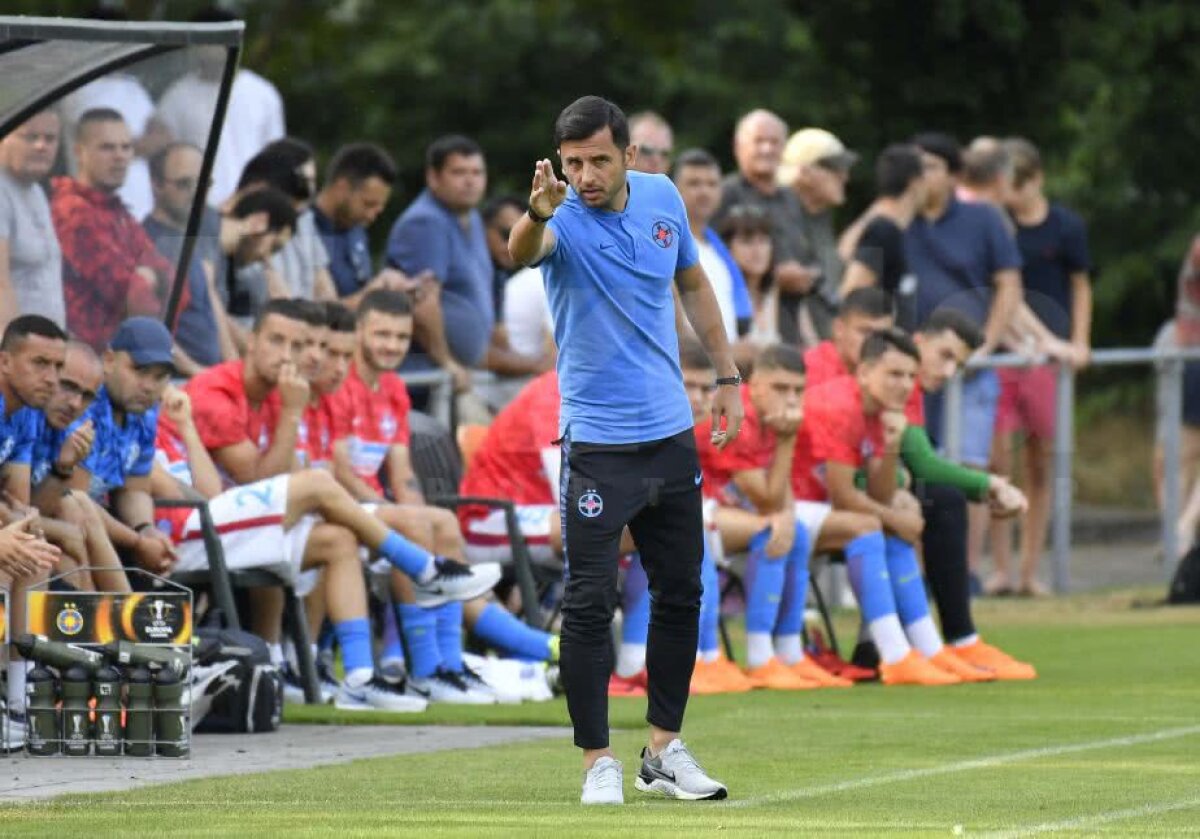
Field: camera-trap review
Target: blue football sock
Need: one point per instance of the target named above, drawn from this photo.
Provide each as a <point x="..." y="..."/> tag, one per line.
<point x="354" y="637"/>
<point x="393" y="647"/>
<point x="635" y="605"/>
<point x="795" y="586"/>
<point x="499" y="628"/>
<point x="410" y="558"/>
<point x="419" y="626"/>
<point x="710" y="605"/>
<point x="908" y="586"/>
<point x="764" y="585"/>
<point x="866" y="562"/>
<point x="449" y="635"/>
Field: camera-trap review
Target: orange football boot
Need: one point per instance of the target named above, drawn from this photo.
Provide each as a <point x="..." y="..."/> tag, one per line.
<point x="991" y="658"/>
<point x="915" y="669"/>
<point x="775" y="675"/>
<point x="806" y="668"/>
<point x="966" y="671"/>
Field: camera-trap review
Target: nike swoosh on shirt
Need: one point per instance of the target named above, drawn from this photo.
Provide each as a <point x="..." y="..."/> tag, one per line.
<point x="606" y="245"/>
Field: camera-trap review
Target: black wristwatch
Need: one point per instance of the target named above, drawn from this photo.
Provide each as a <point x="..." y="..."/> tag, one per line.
<point x="62" y="474"/>
<point x="539" y="219"/>
<point x="733" y="381"/>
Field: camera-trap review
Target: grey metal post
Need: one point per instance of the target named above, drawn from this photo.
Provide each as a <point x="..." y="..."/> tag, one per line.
<point x="440" y="395"/>
<point x="952" y="418"/>
<point x="1171" y="390"/>
<point x="1064" y="449"/>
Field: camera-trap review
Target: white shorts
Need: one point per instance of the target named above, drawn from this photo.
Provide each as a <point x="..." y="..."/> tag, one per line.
<point x="487" y="536"/>
<point x="812" y="515"/>
<point x="249" y="521"/>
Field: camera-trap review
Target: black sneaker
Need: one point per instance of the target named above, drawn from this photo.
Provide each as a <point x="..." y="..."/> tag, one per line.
<point x="452" y="580"/>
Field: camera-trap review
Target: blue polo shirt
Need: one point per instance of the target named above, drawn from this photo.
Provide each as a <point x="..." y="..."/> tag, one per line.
<point x="609" y="282"/>
<point x="428" y="236"/>
<point x="349" y="254"/>
<point x="955" y="256"/>
<point x="46" y="446"/>
<point x="1051" y="252"/>
<point x="18" y="430"/>
<point x="118" y="452"/>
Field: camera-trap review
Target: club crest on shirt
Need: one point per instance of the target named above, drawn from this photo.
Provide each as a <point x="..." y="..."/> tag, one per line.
<point x="662" y="234"/>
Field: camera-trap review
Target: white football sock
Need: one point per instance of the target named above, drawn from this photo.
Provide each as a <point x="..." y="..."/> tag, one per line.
<point x="924" y="636"/>
<point x="759" y="649"/>
<point x="889" y="638"/>
<point x="965" y="641"/>
<point x="788" y="648"/>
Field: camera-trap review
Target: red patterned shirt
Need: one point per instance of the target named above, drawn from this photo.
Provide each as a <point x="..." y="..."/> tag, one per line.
<point x="102" y="248"/>
<point x="835" y="428"/>
<point x="371" y="421"/>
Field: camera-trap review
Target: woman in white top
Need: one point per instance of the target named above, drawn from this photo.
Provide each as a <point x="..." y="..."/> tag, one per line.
<point x="746" y="231"/>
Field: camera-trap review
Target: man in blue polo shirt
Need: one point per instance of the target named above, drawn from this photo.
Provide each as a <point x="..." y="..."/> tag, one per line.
<point x="442" y="232"/>
<point x="610" y="248"/>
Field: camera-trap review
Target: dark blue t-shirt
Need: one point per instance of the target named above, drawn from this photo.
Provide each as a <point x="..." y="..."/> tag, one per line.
<point x="1050" y="253"/>
<point x="609" y="281"/>
<point x="349" y="254"/>
<point x="955" y="257"/>
<point x="196" y="326"/>
<point x="428" y="236"/>
<point x="118" y="452"/>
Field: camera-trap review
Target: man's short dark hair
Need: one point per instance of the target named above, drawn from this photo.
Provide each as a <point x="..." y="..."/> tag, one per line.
<point x="587" y="115"/>
<point x="338" y="318"/>
<point x="94" y="116"/>
<point x="697" y="158"/>
<point x="292" y="308"/>
<point x="897" y="166"/>
<point x="385" y="301"/>
<point x="880" y="342"/>
<point x="281" y="213"/>
<point x="940" y="145"/>
<point x="744" y="220"/>
<point x="952" y="320"/>
<point x="439" y="150"/>
<point x="356" y="162"/>
<point x="277" y="164"/>
<point x="692" y="355"/>
<point x="780" y="357"/>
<point x="22" y="327"/>
<point x="1026" y="160"/>
<point x="869" y="301"/>
<point x="157" y="162"/>
<point x="493" y="207"/>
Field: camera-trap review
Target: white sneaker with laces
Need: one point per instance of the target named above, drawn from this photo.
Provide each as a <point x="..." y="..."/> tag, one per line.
<point x="604" y="783"/>
<point x="378" y="695"/>
<point x="453" y="580"/>
<point x="450" y="688"/>
<point x="676" y="774"/>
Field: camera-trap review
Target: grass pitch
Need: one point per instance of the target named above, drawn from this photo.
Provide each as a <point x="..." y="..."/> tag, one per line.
<point x="1106" y="741"/>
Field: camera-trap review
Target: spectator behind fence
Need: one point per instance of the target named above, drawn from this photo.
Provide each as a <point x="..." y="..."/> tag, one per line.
<point x="253" y="116"/>
<point x="1055" y="267"/>
<point x="698" y="178"/>
<point x="746" y="231"/>
<point x="358" y="183"/>
<point x="202" y="334"/>
<point x="878" y="258"/>
<point x="111" y="268"/>
<point x="655" y="143"/>
<point x="30" y="259"/>
<point x="816" y="166"/>
<point x="301" y="268"/>
<point x="442" y="232"/>
<point x="758" y="146"/>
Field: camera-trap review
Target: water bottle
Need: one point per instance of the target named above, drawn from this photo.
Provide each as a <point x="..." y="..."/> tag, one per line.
<point x="170" y="717"/>
<point x="106" y="687"/>
<point x="144" y="655"/>
<point x="41" y="717"/>
<point x="77" y="727"/>
<point x="139" y="714"/>
<point x="56" y="654"/>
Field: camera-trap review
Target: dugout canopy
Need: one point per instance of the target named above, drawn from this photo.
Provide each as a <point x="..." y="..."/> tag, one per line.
<point x="72" y="66"/>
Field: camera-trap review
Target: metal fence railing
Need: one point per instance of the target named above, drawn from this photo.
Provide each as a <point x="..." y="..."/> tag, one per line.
<point x="1168" y="364"/>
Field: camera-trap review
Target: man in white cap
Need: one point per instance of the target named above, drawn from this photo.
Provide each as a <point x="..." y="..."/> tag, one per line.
<point x="816" y="166"/>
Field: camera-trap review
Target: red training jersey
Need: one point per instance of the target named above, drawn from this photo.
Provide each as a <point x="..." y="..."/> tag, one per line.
<point x="753" y="448"/>
<point x="370" y="420"/>
<point x="823" y="364"/>
<point x="835" y="428"/>
<point x="223" y="413"/>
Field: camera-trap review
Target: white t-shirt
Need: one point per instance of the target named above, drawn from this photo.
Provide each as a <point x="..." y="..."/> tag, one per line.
<point x="299" y="260"/>
<point x="34" y="257"/>
<point x="253" y="118"/>
<point x="722" y="285"/>
<point x="527" y="312"/>
<point x="125" y="95"/>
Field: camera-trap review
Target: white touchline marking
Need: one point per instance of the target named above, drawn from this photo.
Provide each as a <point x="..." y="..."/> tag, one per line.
<point x="1096" y="819"/>
<point x="985" y="762"/>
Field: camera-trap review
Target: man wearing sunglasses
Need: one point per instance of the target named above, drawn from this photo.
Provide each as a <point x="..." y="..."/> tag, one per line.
<point x="655" y="143"/>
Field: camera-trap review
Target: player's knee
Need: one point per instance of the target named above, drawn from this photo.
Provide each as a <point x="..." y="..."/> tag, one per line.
<point x="862" y="524"/>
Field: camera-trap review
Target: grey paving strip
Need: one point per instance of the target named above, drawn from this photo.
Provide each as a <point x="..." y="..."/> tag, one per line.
<point x="24" y="778"/>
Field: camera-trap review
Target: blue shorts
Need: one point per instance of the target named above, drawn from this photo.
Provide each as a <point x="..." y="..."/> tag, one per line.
<point x="980" y="397"/>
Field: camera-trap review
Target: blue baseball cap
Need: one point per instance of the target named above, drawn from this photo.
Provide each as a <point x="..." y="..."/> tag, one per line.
<point x="146" y="340"/>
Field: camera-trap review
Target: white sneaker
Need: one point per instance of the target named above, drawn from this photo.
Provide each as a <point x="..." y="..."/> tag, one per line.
<point x="378" y="695"/>
<point x="452" y="580"/>
<point x="450" y="688"/>
<point x="14" y="733"/>
<point x="676" y="774"/>
<point x="293" y="687"/>
<point x="604" y="783"/>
